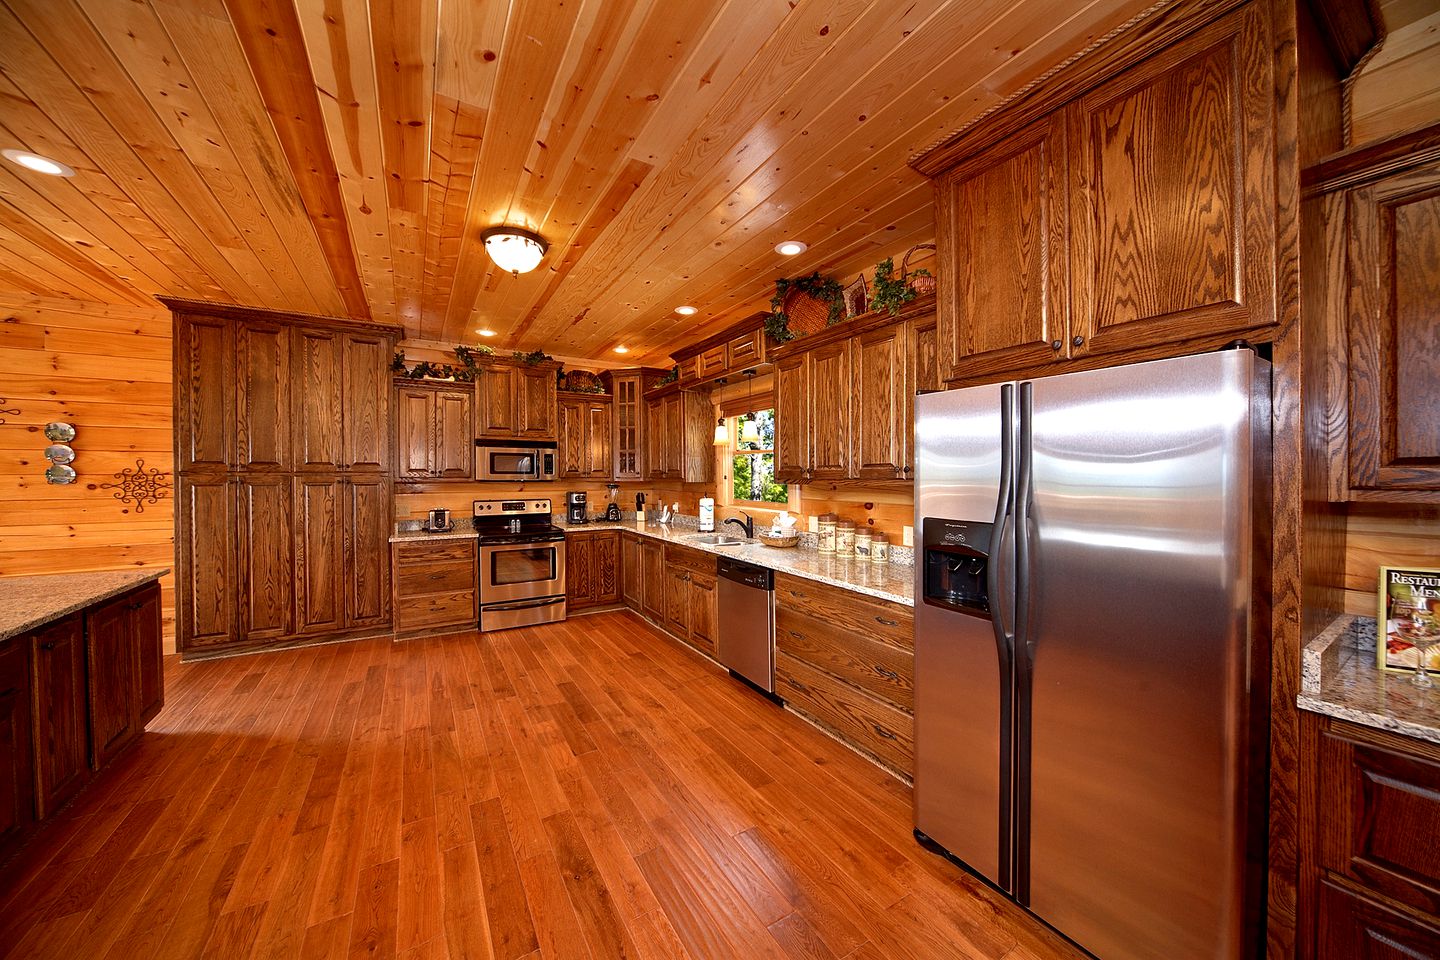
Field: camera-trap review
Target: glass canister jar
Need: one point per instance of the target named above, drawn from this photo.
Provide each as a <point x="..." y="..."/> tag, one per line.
<point x="845" y="538"/>
<point x="880" y="549"/>
<point x="862" y="543"/>
<point x="825" y="524"/>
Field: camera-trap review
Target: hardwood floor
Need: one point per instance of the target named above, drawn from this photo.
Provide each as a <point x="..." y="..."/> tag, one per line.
<point x="583" y="790"/>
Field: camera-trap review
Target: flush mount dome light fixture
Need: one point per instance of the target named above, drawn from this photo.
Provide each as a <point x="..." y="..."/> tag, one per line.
<point x="685" y="311"/>
<point x="789" y="248"/>
<point x="622" y="349"/>
<point x="33" y="161"/>
<point x="485" y="332"/>
<point x="514" y="248"/>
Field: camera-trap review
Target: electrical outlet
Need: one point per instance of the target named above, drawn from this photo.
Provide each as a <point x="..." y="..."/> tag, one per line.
<point x="907" y="537"/>
<point x="814" y="523"/>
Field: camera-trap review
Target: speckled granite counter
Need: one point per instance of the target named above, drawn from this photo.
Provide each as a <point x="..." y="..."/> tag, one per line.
<point x="463" y="530"/>
<point x="1339" y="678"/>
<point x="30" y="602"/>
<point x="889" y="581"/>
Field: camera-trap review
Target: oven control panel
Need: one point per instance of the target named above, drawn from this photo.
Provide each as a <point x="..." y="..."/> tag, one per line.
<point x="510" y="508"/>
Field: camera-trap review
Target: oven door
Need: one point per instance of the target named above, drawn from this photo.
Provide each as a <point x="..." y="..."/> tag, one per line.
<point x="521" y="571"/>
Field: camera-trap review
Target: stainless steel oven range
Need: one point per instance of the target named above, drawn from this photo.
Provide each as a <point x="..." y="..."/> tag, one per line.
<point x="522" y="564"/>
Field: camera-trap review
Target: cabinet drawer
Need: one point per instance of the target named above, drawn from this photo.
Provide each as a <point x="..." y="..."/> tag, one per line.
<point x="696" y="560"/>
<point x="863" y="721"/>
<point x="882" y="669"/>
<point x="711" y="363"/>
<point x="436" y="609"/>
<point x="449" y="577"/>
<point x="435" y="551"/>
<point x="849" y="611"/>
<point x="746" y="350"/>
<point x="1351" y="926"/>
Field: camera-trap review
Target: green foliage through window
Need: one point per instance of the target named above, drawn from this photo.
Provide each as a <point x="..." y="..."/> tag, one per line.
<point x="752" y="468"/>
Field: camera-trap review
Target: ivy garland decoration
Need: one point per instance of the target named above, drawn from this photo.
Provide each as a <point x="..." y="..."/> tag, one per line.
<point x="670" y="377"/>
<point x="425" y="370"/>
<point x="889" y="292"/>
<point x="825" y="289"/>
<point x="533" y="358"/>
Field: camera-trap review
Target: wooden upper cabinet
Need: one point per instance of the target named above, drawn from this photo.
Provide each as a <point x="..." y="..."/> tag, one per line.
<point x="792" y="419"/>
<point x="319" y="387"/>
<point x="656" y="440"/>
<point x="454" y="435"/>
<point x="880" y="431"/>
<point x="597" y="439"/>
<point x="1394" y="332"/>
<point x="627" y="425"/>
<point x="205" y="381"/>
<point x="516" y="401"/>
<point x="571" y="439"/>
<point x="365" y="411"/>
<point x="679" y="434"/>
<point x="262" y="359"/>
<point x="1000" y="229"/>
<point x="830" y="410"/>
<point x="414" y="432"/>
<point x="434" y="431"/>
<point x="924" y="338"/>
<point x="1172" y="192"/>
<point x="498" y="411"/>
<point x="536" y="387"/>
<point x="584" y="436"/>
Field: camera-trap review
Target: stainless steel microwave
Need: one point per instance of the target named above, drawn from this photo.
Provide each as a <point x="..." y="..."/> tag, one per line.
<point x="512" y="460"/>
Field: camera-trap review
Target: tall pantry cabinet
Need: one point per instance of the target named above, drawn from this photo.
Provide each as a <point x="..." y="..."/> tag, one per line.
<point x="283" y="485"/>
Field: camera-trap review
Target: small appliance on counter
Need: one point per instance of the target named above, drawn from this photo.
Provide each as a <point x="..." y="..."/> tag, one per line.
<point x="575" y="507"/>
<point x="612" y="509"/>
<point x="707" y="514"/>
<point x="439" y="521"/>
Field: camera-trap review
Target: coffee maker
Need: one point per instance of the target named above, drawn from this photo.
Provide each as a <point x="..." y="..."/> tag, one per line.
<point x="575" y="507"/>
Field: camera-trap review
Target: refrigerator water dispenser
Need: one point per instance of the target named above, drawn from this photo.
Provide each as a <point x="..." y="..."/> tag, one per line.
<point x="957" y="565"/>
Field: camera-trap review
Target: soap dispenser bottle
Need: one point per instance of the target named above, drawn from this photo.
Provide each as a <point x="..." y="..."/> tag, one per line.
<point x="707" y="514"/>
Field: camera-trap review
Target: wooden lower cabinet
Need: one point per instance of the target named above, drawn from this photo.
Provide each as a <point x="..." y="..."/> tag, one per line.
<point x="435" y="586"/>
<point x="652" y="571"/>
<point x="847" y="662"/>
<point x="342" y="528"/>
<point x="671" y="586"/>
<point x="17" y="767"/>
<point x="593" y="573"/>
<point x="1370" y="842"/>
<point x="59" y="724"/>
<point x="632" y="582"/>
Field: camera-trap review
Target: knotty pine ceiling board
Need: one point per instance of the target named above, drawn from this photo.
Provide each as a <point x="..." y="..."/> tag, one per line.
<point x="342" y="156"/>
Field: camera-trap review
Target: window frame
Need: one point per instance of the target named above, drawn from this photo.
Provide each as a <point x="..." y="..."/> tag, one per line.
<point x="727" y="453"/>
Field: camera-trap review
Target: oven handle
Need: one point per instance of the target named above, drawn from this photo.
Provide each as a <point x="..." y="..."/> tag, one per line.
<point x="525" y="604"/>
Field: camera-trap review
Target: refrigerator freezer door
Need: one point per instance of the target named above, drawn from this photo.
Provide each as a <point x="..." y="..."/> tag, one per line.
<point x="962" y="763"/>
<point x="1141" y="577"/>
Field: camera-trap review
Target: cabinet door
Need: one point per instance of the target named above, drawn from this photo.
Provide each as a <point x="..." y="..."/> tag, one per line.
<point x="537" y="389"/>
<point x="1000" y="223"/>
<point x="265" y="558"/>
<point x="262" y="356"/>
<point x="58" y="715"/>
<point x="365" y="410"/>
<point x="656" y="440"/>
<point x="672" y="416"/>
<point x="1172" y="193"/>
<point x="367" y="550"/>
<point x="792" y="419"/>
<point x="319" y="555"/>
<point x="652" y="567"/>
<point x="632" y="577"/>
<point x="1352" y="927"/>
<point x="571" y="440"/>
<point x="702" y="612"/>
<point x="498" y="413"/>
<point x="924" y="377"/>
<point x="205" y="382"/>
<point x="17" y="759"/>
<point x="597" y="441"/>
<point x="150" y="650"/>
<point x="831" y="388"/>
<point x="628" y="429"/>
<point x="113" y="679"/>
<point x="454" y="435"/>
<point x="318" y="393"/>
<point x="414" y="433"/>
<point x="1394" y="253"/>
<point x="607" y="573"/>
<point x="677" y="601"/>
<point x="579" y="567"/>
<point x="880" y="429"/>
<point x="206" y="591"/>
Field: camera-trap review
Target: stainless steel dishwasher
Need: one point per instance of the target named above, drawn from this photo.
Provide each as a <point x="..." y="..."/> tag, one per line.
<point x="746" y="603"/>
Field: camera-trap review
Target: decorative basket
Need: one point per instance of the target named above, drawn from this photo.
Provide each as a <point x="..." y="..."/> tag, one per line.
<point x="916" y="259"/>
<point x="582" y="381"/>
<point x="857" y="297"/>
<point x="791" y="540"/>
<point x="805" y="314"/>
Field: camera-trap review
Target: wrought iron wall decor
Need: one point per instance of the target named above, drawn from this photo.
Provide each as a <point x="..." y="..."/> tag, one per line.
<point x="8" y="411"/>
<point x="139" y="485"/>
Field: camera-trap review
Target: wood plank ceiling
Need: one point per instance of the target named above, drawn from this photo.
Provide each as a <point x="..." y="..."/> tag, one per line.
<point x="342" y="156"/>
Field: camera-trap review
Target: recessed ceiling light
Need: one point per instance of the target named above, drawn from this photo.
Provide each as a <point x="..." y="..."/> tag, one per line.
<point x="789" y="248"/>
<point x="33" y="161"/>
<point x="622" y="349"/>
<point x="485" y="332"/>
<point x="685" y="311"/>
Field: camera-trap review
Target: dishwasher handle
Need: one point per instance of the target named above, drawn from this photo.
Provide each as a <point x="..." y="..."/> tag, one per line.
<point x="761" y="578"/>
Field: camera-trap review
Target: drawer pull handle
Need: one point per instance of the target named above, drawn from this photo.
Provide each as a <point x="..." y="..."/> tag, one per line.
<point x="883" y="732"/>
<point x="887" y="674"/>
<point x="135" y="606"/>
<point x="888" y="623"/>
<point x="47" y="645"/>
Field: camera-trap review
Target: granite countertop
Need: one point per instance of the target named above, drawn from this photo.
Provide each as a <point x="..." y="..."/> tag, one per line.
<point x="30" y="602"/>
<point x="890" y="581"/>
<point x="1339" y="678"/>
<point x="461" y="529"/>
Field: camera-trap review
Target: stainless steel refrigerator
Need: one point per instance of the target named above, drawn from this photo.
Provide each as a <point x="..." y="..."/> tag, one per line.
<point x="1091" y="647"/>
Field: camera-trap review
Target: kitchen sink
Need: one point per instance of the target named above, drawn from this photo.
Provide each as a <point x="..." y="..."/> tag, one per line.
<point x="719" y="540"/>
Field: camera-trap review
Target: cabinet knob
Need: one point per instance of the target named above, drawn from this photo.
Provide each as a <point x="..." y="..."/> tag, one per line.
<point x="47" y="645"/>
<point x="1078" y="341"/>
<point x="1056" y="345"/>
<point x="907" y="470"/>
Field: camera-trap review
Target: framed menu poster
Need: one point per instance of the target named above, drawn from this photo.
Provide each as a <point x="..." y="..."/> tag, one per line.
<point x="1408" y="622"/>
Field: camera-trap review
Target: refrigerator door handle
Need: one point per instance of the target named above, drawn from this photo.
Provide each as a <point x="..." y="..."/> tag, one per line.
<point x="994" y="582"/>
<point x="1024" y="651"/>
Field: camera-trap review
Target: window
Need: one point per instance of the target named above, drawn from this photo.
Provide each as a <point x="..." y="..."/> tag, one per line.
<point x="752" y="462"/>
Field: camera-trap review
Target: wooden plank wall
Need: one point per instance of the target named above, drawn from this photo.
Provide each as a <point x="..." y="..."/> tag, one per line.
<point x="1390" y="535"/>
<point x="107" y="370"/>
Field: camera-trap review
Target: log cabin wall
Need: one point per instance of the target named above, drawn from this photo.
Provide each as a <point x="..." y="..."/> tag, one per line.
<point x="105" y="369"/>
